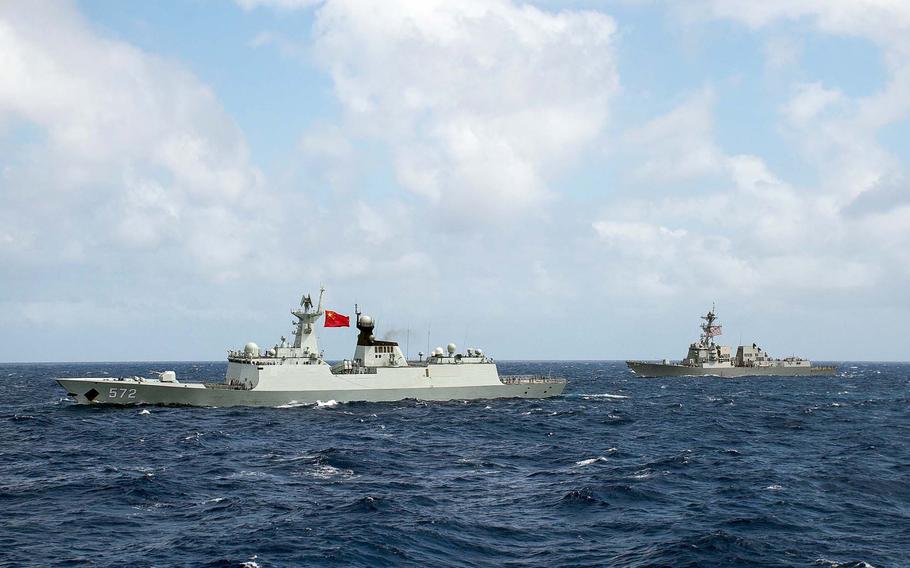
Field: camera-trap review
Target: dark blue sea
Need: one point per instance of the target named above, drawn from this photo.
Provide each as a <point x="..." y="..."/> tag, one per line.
<point x="620" y="471"/>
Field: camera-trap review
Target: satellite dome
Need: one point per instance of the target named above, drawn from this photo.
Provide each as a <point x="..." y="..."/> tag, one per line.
<point x="438" y="351"/>
<point x="452" y="348"/>
<point x="251" y="349"/>
<point x="366" y="321"/>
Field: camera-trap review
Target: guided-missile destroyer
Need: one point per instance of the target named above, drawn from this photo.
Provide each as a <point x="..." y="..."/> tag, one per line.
<point x="707" y="358"/>
<point x="295" y="372"/>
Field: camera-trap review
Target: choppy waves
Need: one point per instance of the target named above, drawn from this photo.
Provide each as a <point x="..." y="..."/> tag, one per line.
<point x="619" y="471"/>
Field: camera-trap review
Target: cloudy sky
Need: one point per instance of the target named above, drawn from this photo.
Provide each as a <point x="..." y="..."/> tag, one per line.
<point x="547" y="179"/>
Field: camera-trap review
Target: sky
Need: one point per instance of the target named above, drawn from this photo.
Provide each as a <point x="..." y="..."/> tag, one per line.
<point x="543" y="180"/>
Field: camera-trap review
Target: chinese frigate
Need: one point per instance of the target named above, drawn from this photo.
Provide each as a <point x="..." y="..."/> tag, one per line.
<point x="295" y="372"/>
<point x="707" y="358"/>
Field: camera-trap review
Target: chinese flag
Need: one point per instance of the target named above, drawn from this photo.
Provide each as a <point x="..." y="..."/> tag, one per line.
<point x="334" y="319"/>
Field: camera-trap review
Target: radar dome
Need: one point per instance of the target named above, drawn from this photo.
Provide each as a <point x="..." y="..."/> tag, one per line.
<point x="366" y="321"/>
<point x="251" y="349"/>
<point x="438" y="351"/>
<point x="452" y="348"/>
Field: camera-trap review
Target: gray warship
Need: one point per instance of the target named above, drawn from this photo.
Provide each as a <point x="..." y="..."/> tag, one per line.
<point x="295" y="373"/>
<point x="707" y="358"/>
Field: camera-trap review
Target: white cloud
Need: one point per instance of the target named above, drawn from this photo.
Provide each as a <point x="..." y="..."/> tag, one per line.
<point x="134" y="152"/>
<point x="883" y="21"/>
<point x="839" y="134"/>
<point x="811" y="100"/>
<point x="842" y="233"/>
<point x="782" y="53"/>
<point x="754" y="234"/>
<point x="481" y="103"/>
<point x="676" y="146"/>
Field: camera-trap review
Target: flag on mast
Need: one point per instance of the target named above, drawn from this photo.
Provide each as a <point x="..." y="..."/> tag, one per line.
<point x="334" y="319"/>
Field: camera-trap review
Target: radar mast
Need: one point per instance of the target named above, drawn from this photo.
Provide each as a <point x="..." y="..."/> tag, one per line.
<point x="709" y="330"/>
<point x="306" y="317"/>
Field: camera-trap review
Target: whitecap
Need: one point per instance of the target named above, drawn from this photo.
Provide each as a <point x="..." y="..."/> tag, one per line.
<point x="294" y="404"/>
<point x="293" y="458"/>
<point x="144" y="412"/>
<point x="604" y="395"/>
<point x="833" y="564"/>
<point x="774" y="487"/>
<point x="583" y="463"/>
<point x="327" y="404"/>
<point x="246" y="474"/>
<point x="325" y="471"/>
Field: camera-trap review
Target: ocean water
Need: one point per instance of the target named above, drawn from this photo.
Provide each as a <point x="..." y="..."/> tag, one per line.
<point x="620" y="471"/>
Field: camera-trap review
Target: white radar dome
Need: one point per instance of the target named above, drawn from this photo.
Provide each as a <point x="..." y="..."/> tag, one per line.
<point x="438" y="351"/>
<point x="452" y="348"/>
<point x="366" y="321"/>
<point x="251" y="349"/>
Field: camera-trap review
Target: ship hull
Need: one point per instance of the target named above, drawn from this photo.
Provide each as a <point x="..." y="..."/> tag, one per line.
<point x="653" y="369"/>
<point x="130" y="392"/>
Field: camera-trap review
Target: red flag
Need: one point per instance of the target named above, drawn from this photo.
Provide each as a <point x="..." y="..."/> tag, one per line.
<point x="334" y="319"/>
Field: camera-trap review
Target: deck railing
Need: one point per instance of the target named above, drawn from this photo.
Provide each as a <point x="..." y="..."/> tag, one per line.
<point x="528" y="379"/>
<point x="225" y="386"/>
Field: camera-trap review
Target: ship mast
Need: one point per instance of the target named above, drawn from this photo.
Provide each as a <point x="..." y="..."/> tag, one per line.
<point x="306" y="318"/>
<point x="709" y="330"/>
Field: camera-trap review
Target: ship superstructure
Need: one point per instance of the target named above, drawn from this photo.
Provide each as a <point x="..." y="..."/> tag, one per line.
<point x="297" y="373"/>
<point x="705" y="357"/>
